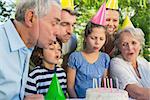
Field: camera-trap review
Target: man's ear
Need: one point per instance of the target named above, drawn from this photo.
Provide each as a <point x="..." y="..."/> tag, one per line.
<point x="29" y="18"/>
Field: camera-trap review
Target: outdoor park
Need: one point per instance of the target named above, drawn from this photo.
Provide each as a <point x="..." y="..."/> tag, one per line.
<point x="137" y="10"/>
<point x="78" y="49"/>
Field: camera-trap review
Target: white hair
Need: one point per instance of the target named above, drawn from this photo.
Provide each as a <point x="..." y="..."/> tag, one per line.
<point x="137" y="33"/>
<point x="40" y="7"/>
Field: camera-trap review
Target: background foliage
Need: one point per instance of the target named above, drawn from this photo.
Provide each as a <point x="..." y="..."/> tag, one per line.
<point x="138" y="10"/>
<point x="7" y="10"/>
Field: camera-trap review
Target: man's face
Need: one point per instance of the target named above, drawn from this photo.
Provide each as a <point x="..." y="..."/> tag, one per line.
<point x="66" y="26"/>
<point x="112" y="21"/>
<point x="49" y="27"/>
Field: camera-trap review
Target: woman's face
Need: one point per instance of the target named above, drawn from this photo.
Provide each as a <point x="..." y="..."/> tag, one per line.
<point x="53" y="53"/>
<point x="112" y="21"/>
<point x="96" y="39"/>
<point x="129" y="46"/>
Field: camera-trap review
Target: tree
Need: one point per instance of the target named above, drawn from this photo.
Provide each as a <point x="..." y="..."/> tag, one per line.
<point x="6" y="10"/>
<point x="138" y="10"/>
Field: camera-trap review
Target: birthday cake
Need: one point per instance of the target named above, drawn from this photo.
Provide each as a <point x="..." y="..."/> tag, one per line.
<point x="106" y="94"/>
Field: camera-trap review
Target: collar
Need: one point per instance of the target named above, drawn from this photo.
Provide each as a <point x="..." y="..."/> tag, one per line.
<point x="14" y="38"/>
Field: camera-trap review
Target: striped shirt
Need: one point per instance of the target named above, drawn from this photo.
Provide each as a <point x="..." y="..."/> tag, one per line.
<point x="40" y="79"/>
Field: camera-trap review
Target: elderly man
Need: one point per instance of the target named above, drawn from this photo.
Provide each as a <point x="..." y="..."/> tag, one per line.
<point x="69" y="40"/>
<point x="36" y="23"/>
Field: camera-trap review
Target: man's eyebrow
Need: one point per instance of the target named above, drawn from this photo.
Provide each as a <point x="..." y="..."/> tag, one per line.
<point x="57" y="19"/>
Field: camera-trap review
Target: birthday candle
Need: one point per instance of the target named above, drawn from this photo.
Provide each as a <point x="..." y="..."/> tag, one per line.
<point x="104" y="82"/>
<point x="96" y="84"/>
<point x="93" y="82"/>
<point x="111" y="84"/>
<point x="99" y="82"/>
<point x="108" y="82"/>
<point x="117" y="84"/>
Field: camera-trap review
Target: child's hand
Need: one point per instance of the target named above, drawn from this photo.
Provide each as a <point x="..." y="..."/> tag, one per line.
<point x="34" y="97"/>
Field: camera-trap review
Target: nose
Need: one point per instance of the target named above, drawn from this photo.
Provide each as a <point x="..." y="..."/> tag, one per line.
<point x="57" y="52"/>
<point x="70" y="29"/>
<point x="130" y="47"/>
<point x="97" y="41"/>
<point x="56" y="31"/>
<point x="110" y="23"/>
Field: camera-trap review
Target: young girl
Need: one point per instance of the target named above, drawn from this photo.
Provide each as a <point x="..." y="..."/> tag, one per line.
<point x="40" y="77"/>
<point x="85" y="65"/>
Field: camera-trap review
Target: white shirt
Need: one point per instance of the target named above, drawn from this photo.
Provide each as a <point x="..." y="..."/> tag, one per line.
<point x="70" y="46"/>
<point x="125" y="73"/>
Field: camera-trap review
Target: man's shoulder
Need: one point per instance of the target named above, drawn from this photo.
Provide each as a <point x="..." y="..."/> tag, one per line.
<point x="73" y="39"/>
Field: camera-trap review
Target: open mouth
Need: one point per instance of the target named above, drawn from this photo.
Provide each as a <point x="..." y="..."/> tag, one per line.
<point x="57" y="57"/>
<point x="130" y="54"/>
<point x="96" y="48"/>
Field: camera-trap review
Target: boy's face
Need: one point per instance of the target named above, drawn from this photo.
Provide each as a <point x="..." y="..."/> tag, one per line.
<point x="53" y="53"/>
<point x="112" y="21"/>
<point x="66" y="26"/>
<point x="96" y="39"/>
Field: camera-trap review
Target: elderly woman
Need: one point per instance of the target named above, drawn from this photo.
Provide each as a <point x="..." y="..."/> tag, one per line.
<point x="132" y="71"/>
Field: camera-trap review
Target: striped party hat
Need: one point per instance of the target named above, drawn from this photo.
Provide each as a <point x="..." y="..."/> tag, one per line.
<point x="100" y="17"/>
<point x="112" y="4"/>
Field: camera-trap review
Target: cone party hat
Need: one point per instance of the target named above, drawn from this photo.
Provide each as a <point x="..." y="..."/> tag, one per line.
<point x="55" y="91"/>
<point x="127" y="23"/>
<point x="100" y="17"/>
<point x="67" y="4"/>
<point x="112" y="4"/>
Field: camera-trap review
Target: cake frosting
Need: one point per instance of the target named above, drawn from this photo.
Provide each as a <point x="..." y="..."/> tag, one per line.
<point x="106" y="94"/>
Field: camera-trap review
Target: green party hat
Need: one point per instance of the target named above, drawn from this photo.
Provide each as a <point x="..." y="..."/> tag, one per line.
<point x="55" y="91"/>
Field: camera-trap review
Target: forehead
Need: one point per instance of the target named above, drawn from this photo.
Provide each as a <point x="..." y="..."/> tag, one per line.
<point x="127" y="36"/>
<point x="98" y="31"/>
<point x="112" y="13"/>
<point x="67" y="16"/>
<point x="54" y="12"/>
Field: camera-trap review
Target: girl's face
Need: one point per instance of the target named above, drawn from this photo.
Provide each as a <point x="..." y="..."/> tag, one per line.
<point x="96" y="39"/>
<point x="129" y="47"/>
<point x="53" y="53"/>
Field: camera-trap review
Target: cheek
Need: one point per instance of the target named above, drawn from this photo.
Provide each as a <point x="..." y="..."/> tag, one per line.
<point x="138" y="49"/>
<point x="116" y="24"/>
<point x="90" y="42"/>
<point x="63" y="31"/>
